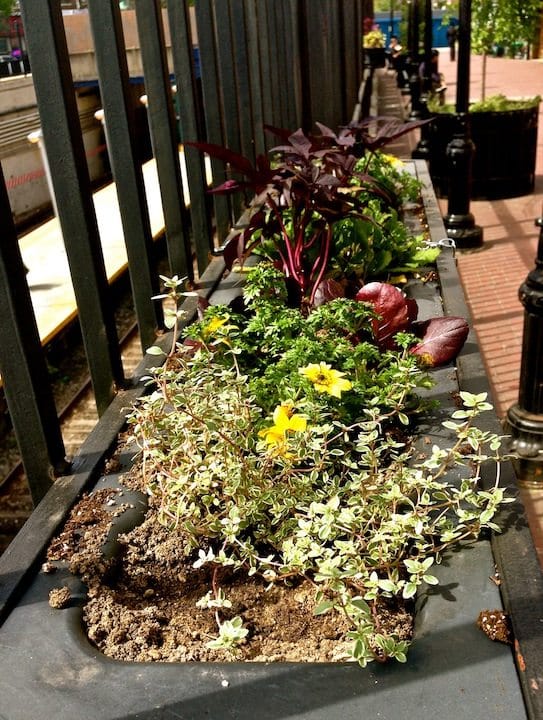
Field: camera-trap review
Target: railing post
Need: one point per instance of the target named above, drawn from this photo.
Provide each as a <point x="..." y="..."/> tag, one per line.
<point x="414" y="58"/>
<point x="459" y="221"/>
<point x="422" y="151"/>
<point x="164" y="135"/>
<point x="22" y="364"/>
<point x="110" y="54"/>
<point x="53" y="82"/>
<point x="525" y="419"/>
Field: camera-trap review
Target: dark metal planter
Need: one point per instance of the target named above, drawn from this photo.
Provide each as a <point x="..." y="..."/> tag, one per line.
<point x="505" y="152"/>
<point x="374" y="57"/>
<point x="49" y="670"/>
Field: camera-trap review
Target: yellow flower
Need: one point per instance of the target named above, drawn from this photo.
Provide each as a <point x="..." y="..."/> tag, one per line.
<point x="284" y="421"/>
<point x="285" y="418"/>
<point x="326" y="380"/>
<point x="393" y="160"/>
<point x="212" y="326"/>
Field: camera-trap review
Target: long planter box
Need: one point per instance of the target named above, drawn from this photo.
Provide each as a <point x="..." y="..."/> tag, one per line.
<point x="49" y="670"/>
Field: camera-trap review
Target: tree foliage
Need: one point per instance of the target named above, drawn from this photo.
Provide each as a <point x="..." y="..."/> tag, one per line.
<point x="503" y="22"/>
<point x="6" y="8"/>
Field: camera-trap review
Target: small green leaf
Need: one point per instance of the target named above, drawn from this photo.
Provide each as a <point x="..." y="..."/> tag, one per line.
<point x="323" y="607"/>
<point x="430" y="579"/>
<point x="361" y="604"/>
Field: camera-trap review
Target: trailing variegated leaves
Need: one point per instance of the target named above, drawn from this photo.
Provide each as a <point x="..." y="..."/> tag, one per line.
<point x="307" y="475"/>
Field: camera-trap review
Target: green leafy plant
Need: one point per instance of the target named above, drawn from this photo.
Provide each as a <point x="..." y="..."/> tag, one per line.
<point x="305" y="188"/>
<point x="495" y="103"/>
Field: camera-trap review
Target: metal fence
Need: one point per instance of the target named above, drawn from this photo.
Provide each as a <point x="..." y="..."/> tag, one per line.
<point x="285" y="63"/>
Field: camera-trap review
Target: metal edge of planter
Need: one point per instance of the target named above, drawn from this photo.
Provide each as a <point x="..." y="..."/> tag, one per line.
<point x="453" y="670"/>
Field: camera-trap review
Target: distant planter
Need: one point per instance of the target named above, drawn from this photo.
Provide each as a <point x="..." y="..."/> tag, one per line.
<point x="374" y="57"/>
<point x="505" y="150"/>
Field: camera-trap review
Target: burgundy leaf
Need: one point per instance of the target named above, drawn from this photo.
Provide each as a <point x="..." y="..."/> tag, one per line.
<point x="391" y="306"/>
<point x="344" y="138"/>
<point x="257" y="177"/>
<point x="412" y="309"/>
<point x="203" y="304"/>
<point x="384" y="130"/>
<point x="329" y="180"/>
<point x="192" y="346"/>
<point x="230" y="186"/>
<point x="442" y="339"/>
<point x="280" y="132"/>
<point x="328" y="290"/>
<point x="233" y="250"/>
<point x="236" y="161"/>
<point x="301" y="142"/>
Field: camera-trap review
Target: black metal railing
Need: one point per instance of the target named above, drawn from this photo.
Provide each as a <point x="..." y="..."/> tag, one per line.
<point x="286" y="63"/>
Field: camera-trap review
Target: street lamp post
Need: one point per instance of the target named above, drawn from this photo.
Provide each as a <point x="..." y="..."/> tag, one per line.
<point x="422" y="150"/>
<point x="413" y="48"/>
<point x="525" y="419"/>
<point x="459" y="221"/>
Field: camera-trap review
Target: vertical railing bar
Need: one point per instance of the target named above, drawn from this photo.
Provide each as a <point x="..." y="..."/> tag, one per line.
<point x="188" y="129"/>
<point x="290" y="63"/>
<point x="23" y="368"/>
<point x="336" y="78"/>
<point x="281" y="58"/>
<point x="353" y="40"/>
<point x="164" y="135"/>
<point x="212" y="108"/>
<point x="227" y="82"/>
<point x="281" y="61"/>
<point x="276" y="63"/>
<point x="255" y="75"/>
<point x="243" y="87"/>
<point x="111" y="62"/>
<point x="359" y="58"/>
<point x="297" y="52"/>
<point x="226" y="72"/>
<point x="268" y="98"/>
<point x="322" y="65"/>
<point x="53" y="84"/>
<point x="303" y="34"/>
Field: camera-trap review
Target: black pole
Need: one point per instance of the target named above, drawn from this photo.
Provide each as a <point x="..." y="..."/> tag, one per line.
<point x="464" y="57"/>
<point x="410" y="29"/>
<point x="525" y="419"/>
<point x="459" y="221"/>
<point x="414" y="61"/>
<point x="422" y="150"/>
<point x="391" y="21"/>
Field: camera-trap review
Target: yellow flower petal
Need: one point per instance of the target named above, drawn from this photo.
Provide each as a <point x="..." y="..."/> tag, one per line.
<point x="325" y="379"/>
<point x="298" y="423"/>
<point x="212" y="326"/>
<point x="281" y="416"/>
